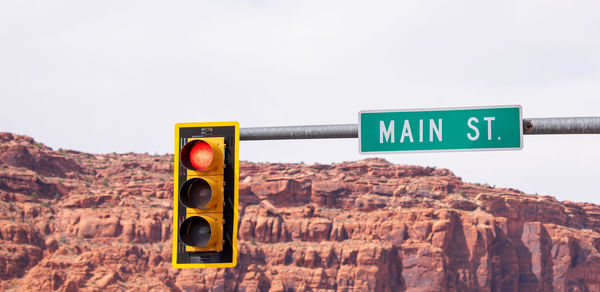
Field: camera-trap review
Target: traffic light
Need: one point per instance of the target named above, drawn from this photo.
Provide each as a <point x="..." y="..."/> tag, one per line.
<point x="205" y="199"/>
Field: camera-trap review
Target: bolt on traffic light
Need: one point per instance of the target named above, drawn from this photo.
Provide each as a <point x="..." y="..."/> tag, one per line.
<point x="205" y="195"/>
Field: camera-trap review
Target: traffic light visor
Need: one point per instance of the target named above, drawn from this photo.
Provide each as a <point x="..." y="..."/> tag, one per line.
<point x="195" y="231"/>
<point x="197" y="155"/>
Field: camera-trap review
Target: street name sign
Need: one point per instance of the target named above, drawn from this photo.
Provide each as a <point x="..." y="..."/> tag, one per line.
<point x="444" y="129"/>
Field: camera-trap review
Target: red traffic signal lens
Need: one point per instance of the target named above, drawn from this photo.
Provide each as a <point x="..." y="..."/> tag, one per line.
<point x="197" y="155"/>
<point x="201" y="155"/>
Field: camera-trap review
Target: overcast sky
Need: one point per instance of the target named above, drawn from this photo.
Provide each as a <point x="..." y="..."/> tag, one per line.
<point x="104" y="76"/>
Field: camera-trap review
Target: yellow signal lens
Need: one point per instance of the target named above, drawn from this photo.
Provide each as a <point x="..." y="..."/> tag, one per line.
<point x="199" y="193"/>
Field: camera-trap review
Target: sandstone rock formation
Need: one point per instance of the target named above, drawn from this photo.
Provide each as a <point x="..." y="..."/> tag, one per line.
<point x="73" y="221"/>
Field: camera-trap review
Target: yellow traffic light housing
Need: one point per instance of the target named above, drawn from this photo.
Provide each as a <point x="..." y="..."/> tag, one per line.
<point x="205" y="195"/>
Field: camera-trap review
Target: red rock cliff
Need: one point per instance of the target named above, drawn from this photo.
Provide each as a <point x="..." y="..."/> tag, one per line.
<point x="74" y="221"/>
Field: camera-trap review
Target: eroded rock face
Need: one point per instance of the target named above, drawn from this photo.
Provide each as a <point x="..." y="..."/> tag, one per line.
<point x="71" y="220"/>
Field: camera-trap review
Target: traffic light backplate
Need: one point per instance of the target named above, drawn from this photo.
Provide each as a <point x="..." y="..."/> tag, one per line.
<point x="205" y="201"/>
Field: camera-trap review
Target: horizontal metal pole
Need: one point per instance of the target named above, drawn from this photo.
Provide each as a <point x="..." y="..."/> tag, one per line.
<point x="545" y="126"/>
<point x="538" y="126"/>
<point x="300" y="132"/>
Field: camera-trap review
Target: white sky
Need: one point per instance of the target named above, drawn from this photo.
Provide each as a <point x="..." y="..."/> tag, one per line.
<point x="110" y="76"/>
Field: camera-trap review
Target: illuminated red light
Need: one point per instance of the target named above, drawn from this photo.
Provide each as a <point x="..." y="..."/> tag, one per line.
<point x="201" y="156"/>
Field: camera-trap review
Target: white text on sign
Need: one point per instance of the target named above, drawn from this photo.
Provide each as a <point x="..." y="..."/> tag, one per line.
<point x="387" y="133"/>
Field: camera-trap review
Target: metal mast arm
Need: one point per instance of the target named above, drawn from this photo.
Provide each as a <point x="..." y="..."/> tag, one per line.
<point x="535" y="126"/>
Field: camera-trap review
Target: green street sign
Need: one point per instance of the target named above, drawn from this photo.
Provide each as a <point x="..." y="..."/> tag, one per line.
<point x="445" y="129"/>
